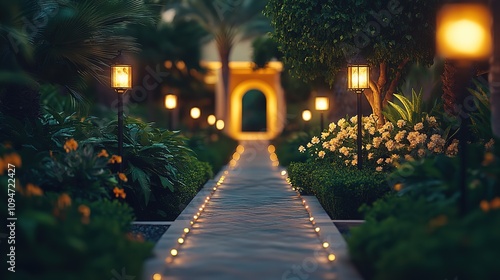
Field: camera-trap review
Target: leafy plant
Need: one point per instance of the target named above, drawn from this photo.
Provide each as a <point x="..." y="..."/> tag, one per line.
<point x="340" y="190"/>
<point x="410" y="110"/>
<point x="61" y="238"/>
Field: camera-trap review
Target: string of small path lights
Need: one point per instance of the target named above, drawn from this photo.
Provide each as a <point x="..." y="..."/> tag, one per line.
<point x="232" y="164"/>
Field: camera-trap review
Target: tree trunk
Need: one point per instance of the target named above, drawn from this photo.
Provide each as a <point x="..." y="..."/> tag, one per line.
<point x="224" y="53"/>
<point x="494" y="76"/>
<point x="380" y="95"/>
<point x="449" y="87"/>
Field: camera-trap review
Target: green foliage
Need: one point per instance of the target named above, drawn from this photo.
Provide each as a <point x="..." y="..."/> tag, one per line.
<point x="317" y="38"/>
<point x="286" y="148"/>
<point x="166" y="204"/>
<point x="264" y="50"/>
<point x="216" y="152"/>
<point x="419" y="234"/>
<point x="80" y="173"/>
<point x="340" y="190"/>
<point x="410" y="110"/>
<point x="56" y="240"/>
<point x="481" y="116"/>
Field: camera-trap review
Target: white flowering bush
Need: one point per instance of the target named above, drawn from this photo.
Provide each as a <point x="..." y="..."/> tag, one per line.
<point x="383" y="147"/>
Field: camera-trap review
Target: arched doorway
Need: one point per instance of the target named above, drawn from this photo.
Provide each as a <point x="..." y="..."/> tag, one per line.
<point x="253" y="111"/>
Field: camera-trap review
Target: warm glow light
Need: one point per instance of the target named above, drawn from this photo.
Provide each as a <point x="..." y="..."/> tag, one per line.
<point x="180" y="240"/>
<point x="358" y="77"/>
<point x="283" y="173"/>
<point x="321" y="103"/>
<point x="156" y="276"/>
<point x="464" y="31"/>
<point x="317" y="229"/>
<point x="311" y="219"/>
<point x="173" y="252"/>
<point x="211" y="120"/>
<point x="219" y="124"/>
<point x="331" y="257"/>
<point x="240" y="149"/>
<point x="186" y="230"/>
<point x="325" y="245"/>
<point x="273" y="157"/>
<point x="215" y="188"/>
<point x="195" y="113"/>
<point x="236" y="156"/>
<point x="170" y="101"/>
<point x="306" y="115"/>
<point x="121" y="76"/>
<point x="271" y="149"/>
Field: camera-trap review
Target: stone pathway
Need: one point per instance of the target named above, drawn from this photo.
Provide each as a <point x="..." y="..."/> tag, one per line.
<point x="253" y="227"/>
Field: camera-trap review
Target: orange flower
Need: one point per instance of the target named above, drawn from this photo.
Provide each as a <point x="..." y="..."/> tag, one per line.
<point x="103" y="153"/>
<point x="439" y="221"/>
<point x="85" y="211"/>
<point x="70" y="145"/>
<point x="119" y="193"/>
<point x="63" y="201"/>
<point x="495" y="203"/>
<point x="122" y="177"/>
<point x="398" y="187"/>
<point x="115" y="159"/>
<point x="33" y="190"/>
<point x="485" y="206"/>
<point x="488" y="159"/>
<point x="12" y="158"/>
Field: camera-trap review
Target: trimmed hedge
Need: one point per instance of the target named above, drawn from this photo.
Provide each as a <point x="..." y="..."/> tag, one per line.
<point x="340" y="190"/>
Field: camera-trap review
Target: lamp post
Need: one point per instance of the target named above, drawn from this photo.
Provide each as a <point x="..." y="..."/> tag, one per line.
<point x="195" y="114"/>
<point x="321" y="104"/>
<point x="121" y="81"/>
<point x="306" y="116"/>
<point x="358" y="79"/>
<point x="463" y="35"/>
<point x="219" y="124"/>
<point x="170" y="104"/>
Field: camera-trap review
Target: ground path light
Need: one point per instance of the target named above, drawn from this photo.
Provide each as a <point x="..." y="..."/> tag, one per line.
<point x="324" y="244"/>
<point x="170" y="105"/>
<point x="321" y="104"/>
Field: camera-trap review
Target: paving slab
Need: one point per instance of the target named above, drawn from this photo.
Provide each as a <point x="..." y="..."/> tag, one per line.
<point x="253" y="227"/>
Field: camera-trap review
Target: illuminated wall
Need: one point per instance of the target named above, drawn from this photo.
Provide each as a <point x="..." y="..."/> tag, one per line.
<point x="242" y="79"/>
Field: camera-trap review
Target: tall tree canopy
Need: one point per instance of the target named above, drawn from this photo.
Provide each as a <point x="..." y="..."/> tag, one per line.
<point x="319" y="38"/>
<point x="228" y="21"/>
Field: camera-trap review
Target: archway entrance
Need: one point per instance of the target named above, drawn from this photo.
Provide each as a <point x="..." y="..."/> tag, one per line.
<point x="254" y="115"/>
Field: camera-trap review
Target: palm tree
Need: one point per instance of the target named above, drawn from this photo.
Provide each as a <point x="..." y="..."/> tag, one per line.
<point x="228" y="21"/>
<point x="494" y="76"/>
<point x="62" y="43"/>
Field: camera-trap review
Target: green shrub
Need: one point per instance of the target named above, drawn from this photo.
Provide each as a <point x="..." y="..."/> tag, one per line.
<point x="420" y="234"/>
<point x="217" y="152"/>
<point x="340" y="190"/>
<point x="81" y="172"/>
<point x="60" y="238"/>
<point x="286" y="148"/>
<point x="166" y="204"/>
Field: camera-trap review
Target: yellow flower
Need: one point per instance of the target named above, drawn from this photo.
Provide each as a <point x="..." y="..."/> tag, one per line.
<point x="70" y="145"/>
<point x="122" y="177"/>
<point x="115" y="159"/>
<point x="103" y="153"/>
<point x="119" y="193"/>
